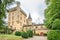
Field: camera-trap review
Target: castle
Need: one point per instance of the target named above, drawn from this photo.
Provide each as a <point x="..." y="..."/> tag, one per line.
<point x="17" y="20"/>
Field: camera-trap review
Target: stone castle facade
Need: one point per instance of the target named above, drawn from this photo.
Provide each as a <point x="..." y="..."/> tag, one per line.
<point x="17" y="20"/>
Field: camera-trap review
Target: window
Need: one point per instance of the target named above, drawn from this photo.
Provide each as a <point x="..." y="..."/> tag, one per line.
<point x="17" y="21"/>
<point x="24" y="20"/>
<point x="17" y="17"/>
<point x="9" y="16"/>
<point x="12" y="16"/>
<point x="20" y="23"/>
<point x="21" y="18"/>
<point x="12" y="23"/>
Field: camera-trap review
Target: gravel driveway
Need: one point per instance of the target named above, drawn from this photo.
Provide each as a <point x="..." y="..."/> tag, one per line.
<point x="37" y="38"/>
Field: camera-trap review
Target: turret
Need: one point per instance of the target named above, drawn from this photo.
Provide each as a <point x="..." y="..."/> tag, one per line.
<point x="29" y="20"/>
<point x="29" y="16"/>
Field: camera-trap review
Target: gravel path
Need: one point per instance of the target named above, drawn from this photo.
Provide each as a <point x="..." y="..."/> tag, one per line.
<point x="37" y="38"/>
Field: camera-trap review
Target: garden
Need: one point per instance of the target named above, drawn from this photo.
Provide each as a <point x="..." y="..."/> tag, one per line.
<point x="10" y="37"/>
<point x="17" y="35"/>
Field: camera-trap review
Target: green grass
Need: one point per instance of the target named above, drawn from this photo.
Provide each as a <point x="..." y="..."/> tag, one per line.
<point x="9" y="37"/>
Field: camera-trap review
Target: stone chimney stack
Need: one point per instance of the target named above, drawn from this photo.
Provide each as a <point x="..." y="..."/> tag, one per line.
<point x="18" y="4"/>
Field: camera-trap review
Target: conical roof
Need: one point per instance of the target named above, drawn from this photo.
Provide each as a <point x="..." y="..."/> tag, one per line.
<point x="29" y="16"/>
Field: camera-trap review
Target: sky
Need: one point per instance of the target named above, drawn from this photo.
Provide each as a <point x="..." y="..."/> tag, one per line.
<point x="35" y="8"/>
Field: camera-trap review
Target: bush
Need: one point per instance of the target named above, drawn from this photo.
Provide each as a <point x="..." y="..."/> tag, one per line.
<point x="45" y="34"/>
<point x="53" y="35"/>
<point x="56" y="24"/>
<point x="9" y="32"/>
<point x="24" y="35"/>
<point x="30" y="33"/>
<point x="17" y="33"/>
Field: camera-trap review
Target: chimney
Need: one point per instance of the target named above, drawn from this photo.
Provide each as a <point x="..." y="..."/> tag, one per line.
<point x="18" y="4"/>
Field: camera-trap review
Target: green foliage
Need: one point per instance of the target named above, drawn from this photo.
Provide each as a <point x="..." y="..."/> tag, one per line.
<point x="52" y="12"/>
<point x="53" y="35"/>
<point x="30" y="33"/>
<point x="3" y="4"/>
<point x="9" y="31"/>
<point x="56" y="24"/>
<point x="45" y="34"/>
<point x="0" y="1"/>
<point x="5" y="30"/>
<point x="17" y="33"/>
<point x="9" y="37"/>
<point x="24" y="34"/>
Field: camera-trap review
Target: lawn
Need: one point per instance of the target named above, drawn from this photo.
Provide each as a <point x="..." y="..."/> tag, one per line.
<point x="9" y="37"/>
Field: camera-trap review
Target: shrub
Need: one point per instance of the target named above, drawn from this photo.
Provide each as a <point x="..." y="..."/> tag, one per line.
<point x="45" y="34"/>
<point x="53" y="35"/>
<point x="56" y="24"/>
<point x="24" y="35"/>
<point x="17" y="33"/>
<point x="8" y="31"/>
<point x="30" y="33"/>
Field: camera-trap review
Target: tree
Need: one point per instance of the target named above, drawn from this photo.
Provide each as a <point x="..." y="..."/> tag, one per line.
<point x="52" y="15"/>
<point x="52" y="12"/>
<point x="56" y="24"/>
<point x="53" y="35"/>
<point x="3" y="4"/>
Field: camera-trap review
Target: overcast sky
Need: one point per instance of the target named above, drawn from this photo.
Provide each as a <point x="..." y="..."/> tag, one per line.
<point x="35" y="8"/>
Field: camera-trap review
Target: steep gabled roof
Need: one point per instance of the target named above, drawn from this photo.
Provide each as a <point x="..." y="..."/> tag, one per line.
<point x="21" y="10"/>
<point x="29" y="16"/>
